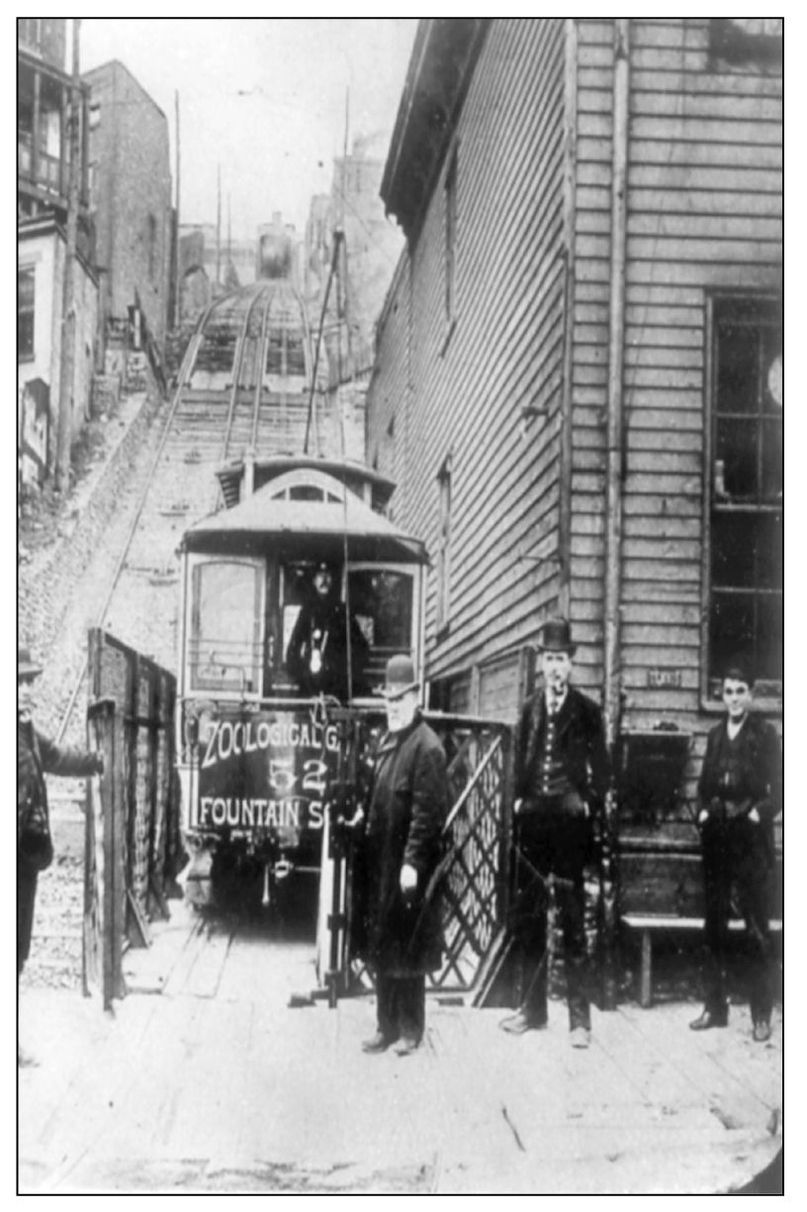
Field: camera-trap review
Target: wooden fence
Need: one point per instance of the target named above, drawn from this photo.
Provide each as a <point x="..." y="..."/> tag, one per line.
<point x="133" y="848"/>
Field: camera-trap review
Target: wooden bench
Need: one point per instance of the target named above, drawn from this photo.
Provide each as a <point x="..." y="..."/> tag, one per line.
<point x="652" y="923"/>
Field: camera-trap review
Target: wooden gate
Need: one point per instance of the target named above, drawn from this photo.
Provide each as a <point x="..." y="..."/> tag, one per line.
<point x="133" y="848"/>
<point x="474" y="882"/>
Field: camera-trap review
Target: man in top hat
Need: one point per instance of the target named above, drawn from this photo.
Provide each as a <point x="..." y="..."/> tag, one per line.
<point x="739" y="795"/>
<point x="561" y="777"/>
<point x="407" y="810"/>
<point x="317" y="656"/>
<point x="36" y="756"/>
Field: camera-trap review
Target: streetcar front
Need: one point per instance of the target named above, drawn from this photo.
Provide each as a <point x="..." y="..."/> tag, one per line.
<point x="292" y="603"/>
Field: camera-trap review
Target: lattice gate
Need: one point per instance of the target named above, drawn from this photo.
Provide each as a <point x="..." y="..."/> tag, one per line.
<point x="474" y="887"/>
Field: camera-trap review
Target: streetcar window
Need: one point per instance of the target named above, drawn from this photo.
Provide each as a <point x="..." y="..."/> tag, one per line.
<point x="382" y="601"/>
<point x="225" y="640"/>
<point x="295" y="355"/>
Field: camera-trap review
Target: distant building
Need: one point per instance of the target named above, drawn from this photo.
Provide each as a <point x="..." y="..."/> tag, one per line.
<point x="130" y="199"/>
<point x="43" y="108"/>
<point x="43" y="188"/>
<point x="368" y="253"/>
<point x="371" y="247"/>
<point x="209" y="265"/>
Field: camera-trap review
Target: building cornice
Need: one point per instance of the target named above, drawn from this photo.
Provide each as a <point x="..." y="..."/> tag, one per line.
<point x="440" y="68"/>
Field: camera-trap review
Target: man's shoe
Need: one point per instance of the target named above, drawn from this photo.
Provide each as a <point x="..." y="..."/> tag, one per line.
<point x="376" y="1043"/>
<point x="521" y="1021"/>
<point x="762" y="1032"/>
<point x="406" y="1045"/>
<point x="580" y="1037"/>
<point x="710" y="1018"/>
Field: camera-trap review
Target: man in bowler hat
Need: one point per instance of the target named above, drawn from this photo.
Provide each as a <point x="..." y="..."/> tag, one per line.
<point x="561" y="777"/>
<point x="407" y="810"/>
<point x="739" y="795"/>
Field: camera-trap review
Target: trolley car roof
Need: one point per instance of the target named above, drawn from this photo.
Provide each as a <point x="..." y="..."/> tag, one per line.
<point x="317" y="528"/>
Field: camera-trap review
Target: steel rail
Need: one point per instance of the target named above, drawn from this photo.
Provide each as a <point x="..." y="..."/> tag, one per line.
<point x="261" y="363"/>
<point x="238" y="361"/>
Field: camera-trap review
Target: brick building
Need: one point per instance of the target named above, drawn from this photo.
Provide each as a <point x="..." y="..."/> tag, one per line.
<point x="130" y="200"/>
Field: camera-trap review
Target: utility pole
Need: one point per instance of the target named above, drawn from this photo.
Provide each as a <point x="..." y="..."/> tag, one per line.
<point x="68" y="351"/>
<point x="177" y="301"/>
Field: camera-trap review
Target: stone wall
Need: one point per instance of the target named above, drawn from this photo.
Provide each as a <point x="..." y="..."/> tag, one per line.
<point x="50" y="577"/>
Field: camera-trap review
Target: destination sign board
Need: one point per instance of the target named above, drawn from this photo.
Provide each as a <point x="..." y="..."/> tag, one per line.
<point x="267" y="771"/>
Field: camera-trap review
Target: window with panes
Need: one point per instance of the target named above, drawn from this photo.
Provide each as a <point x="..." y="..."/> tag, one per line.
<point x="745" y="539"/>
<point x="25" y="313"/>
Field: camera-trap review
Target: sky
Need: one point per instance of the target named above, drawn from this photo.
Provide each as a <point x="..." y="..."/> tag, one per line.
<point x="267" y="99"/>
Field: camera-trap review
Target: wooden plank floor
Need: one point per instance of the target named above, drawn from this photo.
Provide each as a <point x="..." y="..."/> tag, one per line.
<point x="205" y="1080"/>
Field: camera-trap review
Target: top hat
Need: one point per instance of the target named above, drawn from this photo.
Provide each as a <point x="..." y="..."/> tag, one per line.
<point x="555" y="636"/>
<point x="399" y="677"/>
<point x="25" y="666"/>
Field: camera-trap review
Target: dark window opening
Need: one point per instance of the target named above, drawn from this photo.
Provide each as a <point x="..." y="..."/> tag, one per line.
<point x="746" y="514"/>
<point x="443" y="568"/>
<point x="741" y="41"/>
<point x="25" y="313"/>
<point x="295" y="355"/>
<point x="152" y="248"/>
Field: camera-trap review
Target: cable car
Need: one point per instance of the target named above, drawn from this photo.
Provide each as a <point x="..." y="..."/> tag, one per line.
<point x="267" y="708"/>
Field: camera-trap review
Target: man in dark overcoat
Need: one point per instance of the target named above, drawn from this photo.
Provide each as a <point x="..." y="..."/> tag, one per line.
<point x="402" y="846"/>
<point x="319" y="655"/>
<point x="739" y="796"/>
<point x="561" y="777"/>
<point x="36" y="756"/>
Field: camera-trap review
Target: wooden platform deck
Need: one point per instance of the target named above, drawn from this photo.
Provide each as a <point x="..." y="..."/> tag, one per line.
<point x="204" y="1079"/>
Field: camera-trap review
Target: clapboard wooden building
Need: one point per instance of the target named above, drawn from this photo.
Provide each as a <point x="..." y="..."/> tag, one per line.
<point x="578" y="381"/>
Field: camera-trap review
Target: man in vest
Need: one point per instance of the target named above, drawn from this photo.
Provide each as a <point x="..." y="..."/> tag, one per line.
<point x="739" y="795"/>
<point x="561" y="776"/>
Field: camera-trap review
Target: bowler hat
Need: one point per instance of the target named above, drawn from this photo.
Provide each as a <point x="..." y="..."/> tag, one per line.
<point x="399" y="677"/>
<point x="25" y="666"/>
<point x="555" y="636"/>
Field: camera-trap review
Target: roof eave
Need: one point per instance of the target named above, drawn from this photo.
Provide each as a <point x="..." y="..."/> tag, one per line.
<point x="440" y="69"/>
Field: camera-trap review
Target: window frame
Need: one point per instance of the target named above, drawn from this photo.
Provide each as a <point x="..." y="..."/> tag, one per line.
<point x="29" y="272"/>
<point x="197" y="687"/>
<point x="445" y="486"/>
<point x="414" y="573"/>
<point x="714" y="302"/>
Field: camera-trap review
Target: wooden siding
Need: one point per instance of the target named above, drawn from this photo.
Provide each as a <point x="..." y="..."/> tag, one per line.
<point x="704" y="211"/>
<point x="472" y="375"/>
<point x="386" y="421"/>
<point x="704" y="214"/>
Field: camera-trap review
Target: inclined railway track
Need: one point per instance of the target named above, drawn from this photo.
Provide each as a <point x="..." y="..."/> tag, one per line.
<point x="225" y="402"/>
